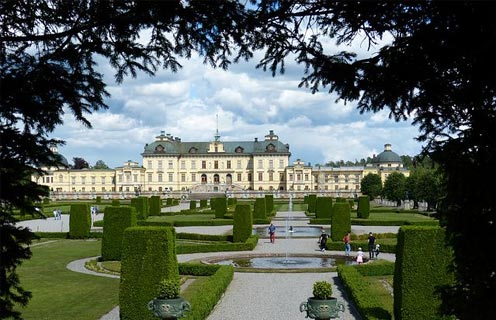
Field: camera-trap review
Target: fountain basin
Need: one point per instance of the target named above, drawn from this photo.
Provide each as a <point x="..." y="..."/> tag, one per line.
<point x="282" y="262"/>
<point x="298" y="232"/>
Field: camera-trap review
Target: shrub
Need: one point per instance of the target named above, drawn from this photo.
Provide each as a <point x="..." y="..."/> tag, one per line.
<point x="203" y="203"/>
<point x="116" y="220"/>
<point x="116" y="203"/>
<point x="322" y="290"/>
<point x="148" y="256"/>
<point x="269" y="203"/>
<point x="168" y="289"/>
<point x="323" y="208"/>
<point x="98" y="200"/>
<point x="243" y="223"/>
<point x="141" y="205"/>
<point x="192" y="205"/>
<point x="340" y="220"/>
<point x="363" y="210"/>
<point x="155" y="205"/>
<point x="220" y="207"/>
<point x="312" y="201"/>
<point x="421" y="267"/>
<point x="79" y="221"/>
<point x="259" y="209"/>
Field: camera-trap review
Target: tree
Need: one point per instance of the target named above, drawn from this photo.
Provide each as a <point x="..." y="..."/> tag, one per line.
<point x="100" y="164"/>
<point x="394" y="187"/>
<point x="425" y="184"/>
<point x="48" y="64"/>
<point x="371" y="185"/>
<point x="80" y="163"/>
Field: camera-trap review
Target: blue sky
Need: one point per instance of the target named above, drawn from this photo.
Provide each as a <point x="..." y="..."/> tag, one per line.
<point x="248" y="102"/>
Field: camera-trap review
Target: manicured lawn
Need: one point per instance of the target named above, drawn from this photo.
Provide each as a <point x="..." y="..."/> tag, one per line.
<point x="392" y="216"/>
<point x="59" y="293"/>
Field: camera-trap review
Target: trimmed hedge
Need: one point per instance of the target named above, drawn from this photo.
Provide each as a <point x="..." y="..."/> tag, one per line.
<point x="312" y="201"/>
<point x="219" y="205"/>
<point x="116" y="220"/>
<point x="79" y="221"/>
<point x="141" y="205"/>
<point x="363" y="210"/>
<point x="269" y="204"/>
<point x="204" y="294"/>
<point x="340" y="220"/>
<point x="259" y="209"/>
<point x="148" y="256"/>
<point x="248" y="245"/>
<point x="323" y="208"/>
<point x="203" y="203"/>
<point x="421" y="267"/>
<point x="243" y="223"/>
<point x="65" y="235"/>
<point x="362" y="292"/>
<point x="155" y="205"/>
<point x="116" y="203"/>
<point x="192" y="205"/>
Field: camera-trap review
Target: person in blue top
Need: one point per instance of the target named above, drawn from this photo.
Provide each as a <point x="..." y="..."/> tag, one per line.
<point x="272" y="233"/>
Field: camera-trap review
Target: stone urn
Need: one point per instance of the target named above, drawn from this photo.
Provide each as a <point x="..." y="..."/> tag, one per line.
<point x="168" y="304"/>
<point x="322" y="306"/>
<point x="322" y="309"/>
<point x="169" y="308"/>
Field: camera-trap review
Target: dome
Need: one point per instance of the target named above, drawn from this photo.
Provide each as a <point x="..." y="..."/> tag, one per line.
<point x="387" y="156"/>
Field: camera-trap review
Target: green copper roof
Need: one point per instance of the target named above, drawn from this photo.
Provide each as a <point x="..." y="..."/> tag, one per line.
<point x="165" y="144"/>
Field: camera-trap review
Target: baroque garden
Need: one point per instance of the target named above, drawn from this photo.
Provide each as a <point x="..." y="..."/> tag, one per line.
<point x="238" y="186"/>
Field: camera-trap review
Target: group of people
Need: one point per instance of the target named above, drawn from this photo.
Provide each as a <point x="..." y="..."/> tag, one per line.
<point x="57" y="214"/>
<point x="374" y="248"/>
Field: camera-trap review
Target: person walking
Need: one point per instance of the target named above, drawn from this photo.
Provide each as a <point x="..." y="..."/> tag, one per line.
<point x="272" y="233"/>
<point x="323" y="240"/>
<point x="371" y="241"/>
<point x="347" y="243"/>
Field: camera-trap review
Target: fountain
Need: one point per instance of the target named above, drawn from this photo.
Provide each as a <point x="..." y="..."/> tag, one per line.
<point x="288" y="225"/>
<point x="286" y="261"/>
<point x="280" y="262"/>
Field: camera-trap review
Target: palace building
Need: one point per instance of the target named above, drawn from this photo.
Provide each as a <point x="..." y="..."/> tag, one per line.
<point x="171" y="166"/>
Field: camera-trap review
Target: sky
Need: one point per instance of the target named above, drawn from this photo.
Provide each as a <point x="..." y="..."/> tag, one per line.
<point x="242" y="103"/>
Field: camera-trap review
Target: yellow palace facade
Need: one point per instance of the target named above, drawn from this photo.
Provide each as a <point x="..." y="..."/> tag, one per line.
<point x="237" y="168"/>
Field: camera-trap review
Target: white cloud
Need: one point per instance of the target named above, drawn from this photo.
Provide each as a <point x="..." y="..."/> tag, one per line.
<point x="248" y="103"/>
